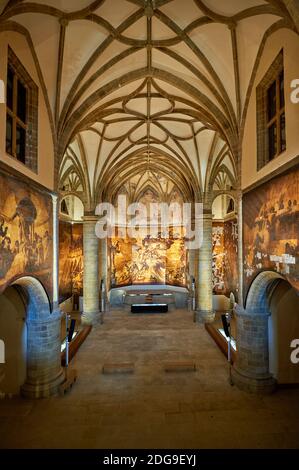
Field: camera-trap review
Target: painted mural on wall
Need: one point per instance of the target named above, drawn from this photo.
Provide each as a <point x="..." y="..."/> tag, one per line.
<point x="231" y="257"/>
<point x="271" y="227"/>
<point x="218" y="258"/>
<point x="148" y="260"/>
<point x="70" y="259"/>
<point x="225" y="257"/>
<point x="26" y="227"/>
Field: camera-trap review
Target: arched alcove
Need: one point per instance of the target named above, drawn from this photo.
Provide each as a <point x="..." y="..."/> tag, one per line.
<point x="71" y="208"/>
<point x="32" y="332"/>
<point x="13" y="330"/>
<point x="265" y="331"/>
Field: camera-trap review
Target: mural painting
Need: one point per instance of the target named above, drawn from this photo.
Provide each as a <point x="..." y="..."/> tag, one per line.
<point x="231" y="257"/>
<point x="26" y="227"/>
<point x="225" y="257"/>
<point x="218" y="258"/>
<point x="148" y="260"/>
<point x="271" y="227"/>
<point x="70" y="260"/>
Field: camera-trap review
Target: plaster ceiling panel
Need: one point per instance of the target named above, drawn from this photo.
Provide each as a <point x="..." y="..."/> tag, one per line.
<point x="91" y="143"/>
<point x="112" y="50"/>
<point x="178" y="129"/>
<point x="160" y="31"/>
<point x="214" y="41"/>
<point x="138" y="30"/>
<point x="158" y="133"/>
<point x="106" y="149"/>
<point x="119" y="129"/>
<point x="122" y="118"/>
<point x="231" y="7"/>
<point x="65" y="5"/>
<point x="116" y="15"/>
<point x="204" y="142"/>
<point x="189" y="148"/>
<point x="171" y="149"/>
<point x="160" y="105"/>
<point x="250" y="33"/>
<point x="182" y="13"/>
<point x="45" y="39"/>
<point x="127" y="65"/>
<point x="81" y="40"/>
<point x="173" y="91"/>
<point x="75" y="148"/>
<point x="183" y="50"/>
<point x="67" y="163"/>
<point x="138" y="105"/>
<point x="178" y="116"/>
<point x="172" y="66"/>
<point x="227" y="162"/>
<point x="98" y="126"/>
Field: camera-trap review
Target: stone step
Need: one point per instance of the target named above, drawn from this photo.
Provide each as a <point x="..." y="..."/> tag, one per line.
<point x="118" y="368"/>
<point x="180" y="367"/>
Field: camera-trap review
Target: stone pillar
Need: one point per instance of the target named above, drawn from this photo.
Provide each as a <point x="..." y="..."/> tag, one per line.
<point x="204" y="288"/>
<point x="251" y="369"/>
<point x="91" y="284"/>
<point x="44" y="372"/>
<point x="240" y="249"/>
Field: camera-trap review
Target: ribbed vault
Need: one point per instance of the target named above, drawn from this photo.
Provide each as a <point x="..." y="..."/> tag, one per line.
<point x="143" y="87"/>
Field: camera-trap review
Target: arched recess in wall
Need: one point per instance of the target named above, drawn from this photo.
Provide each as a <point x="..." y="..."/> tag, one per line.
<point x="71" y="208"/>
<point x="271" y="294"/>
<point x="31" y="334"/>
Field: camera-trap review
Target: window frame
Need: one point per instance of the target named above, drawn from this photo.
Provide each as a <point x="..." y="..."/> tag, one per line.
<point x="30" y="125"/>
<point x="263" y="122"/>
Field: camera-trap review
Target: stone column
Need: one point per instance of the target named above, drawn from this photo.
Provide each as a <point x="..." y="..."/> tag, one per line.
<point x="44" y="372"/>
<point x="240" y="249"/>
<point x="204" y="312"/>
<point x="251" y="369"/>
<point x="91" y="284"/>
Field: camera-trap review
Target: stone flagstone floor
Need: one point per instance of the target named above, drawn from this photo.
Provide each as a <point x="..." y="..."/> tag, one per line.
<point x="151" y="408"/>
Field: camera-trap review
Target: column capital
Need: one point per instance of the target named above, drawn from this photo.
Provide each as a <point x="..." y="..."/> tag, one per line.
<point x="90" y="218"/>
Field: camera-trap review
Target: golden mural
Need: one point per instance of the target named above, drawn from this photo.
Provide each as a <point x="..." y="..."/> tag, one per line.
<point x="225" y="257"/>
<point x="148" y="260"/>
<point x="70" y="259"/>
<point x="26" y="227"/>
<point x="271" y="227"/>
<point x="218" y="258"/>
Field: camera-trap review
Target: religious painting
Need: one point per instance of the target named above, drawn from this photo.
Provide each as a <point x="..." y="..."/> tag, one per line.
<point x="218" y="258"/>
<point x="271" y="227"/>
<point x="148" y="259"/>
<point x="26" y="228"/>
<point x="71" y="260"/>
<point x="231" y="257"/>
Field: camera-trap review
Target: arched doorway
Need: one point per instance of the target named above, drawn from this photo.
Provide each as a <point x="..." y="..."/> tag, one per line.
<point x="14" y="335"/>
<point x="266" y="328"/>
<point x="31" y="334"/>
<point x="283" y="329"/>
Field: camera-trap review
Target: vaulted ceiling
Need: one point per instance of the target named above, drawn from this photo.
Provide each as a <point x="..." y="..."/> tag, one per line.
<point x="147" y="86"/>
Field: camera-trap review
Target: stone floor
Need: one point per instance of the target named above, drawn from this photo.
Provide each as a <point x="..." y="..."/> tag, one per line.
<point x="151" y="408"/>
